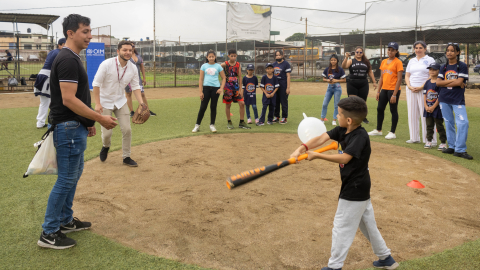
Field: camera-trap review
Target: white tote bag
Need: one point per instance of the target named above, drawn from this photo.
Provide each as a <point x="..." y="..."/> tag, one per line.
<point x="45" y="160"/>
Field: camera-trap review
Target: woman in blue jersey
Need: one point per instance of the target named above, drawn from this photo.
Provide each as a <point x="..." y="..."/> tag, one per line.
<point x="334" y="75"/>
<point x="452" y="78"/>
<point x="282" y="71"/>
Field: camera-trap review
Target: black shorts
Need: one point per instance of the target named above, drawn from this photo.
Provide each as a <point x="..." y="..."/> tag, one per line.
<point x="358" y="88"/>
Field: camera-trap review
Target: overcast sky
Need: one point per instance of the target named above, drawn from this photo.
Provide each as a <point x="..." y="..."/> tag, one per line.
<point x="197" y="21"/>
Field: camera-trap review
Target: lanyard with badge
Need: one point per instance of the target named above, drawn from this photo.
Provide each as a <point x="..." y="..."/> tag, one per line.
<point x="118" y="73"/>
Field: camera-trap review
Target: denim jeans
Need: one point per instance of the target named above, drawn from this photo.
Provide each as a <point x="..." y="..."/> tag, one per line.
<point x="457" y="141"/>
<point x="70" y="139"/>
<point x="254" y="108"/>
<point x="334" y="90"/>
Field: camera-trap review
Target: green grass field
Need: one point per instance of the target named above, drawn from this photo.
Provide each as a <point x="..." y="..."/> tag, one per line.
<point x="23" y="201"/>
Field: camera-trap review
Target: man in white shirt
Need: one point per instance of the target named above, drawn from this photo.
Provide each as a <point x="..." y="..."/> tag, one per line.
<point x="109" y="92"/>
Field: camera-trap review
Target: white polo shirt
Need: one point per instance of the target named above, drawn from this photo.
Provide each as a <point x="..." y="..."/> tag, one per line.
<point x="418" y="70"/>
<point x="112" y="82"/>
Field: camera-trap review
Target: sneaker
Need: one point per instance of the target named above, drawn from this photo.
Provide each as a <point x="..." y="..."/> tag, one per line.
<point x="44" y="126"/>
<point x="260" y="124"/>
<point x="230" y="125"/>
<point x="390" y="136"/>
<point x="270" y="122"/>
<point x="75" y="225"/>
<point x="196" y="128"/>
<point x="448" y="151"/>
<point x="243" y="125"/>
<point x="463" y="155"/>
<point x="334" y="123"/>
<point x="56" y="240"/>
<point x="389" y="263"/>
<point x="275" y="120"/>
<point x="375" y="133"/>
<point x="104" y="153"/>
<point x="412" y="141"/>
<point x="213" y="129"/>
<point x="366" y="121"/>
<point x="249" y="121"/>
<point x="152" y="113"/>
<point x="328" y="268"/>
<point x="132" y="113"/>
<point x="129" y="162"/>
<point x="427" y="145"/>
<point x="442" y="147"/>
<point x="284" y="121"/>
<point x="256" y="121"/>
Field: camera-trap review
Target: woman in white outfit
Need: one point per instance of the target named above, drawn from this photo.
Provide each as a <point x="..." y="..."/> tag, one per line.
<point x="416" y="75"/>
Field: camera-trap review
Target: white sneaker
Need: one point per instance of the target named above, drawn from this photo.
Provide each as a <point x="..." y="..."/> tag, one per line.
<point x="213" y="129"/>
<point x="428" y="145"/>
<point x="412" y="141"/>
<point x="442" y="146"/>
<point x="334" y="123"/>
<point x="390" y="136"/>
<point x="196" y="128"/>
<point x="375" y="133"/>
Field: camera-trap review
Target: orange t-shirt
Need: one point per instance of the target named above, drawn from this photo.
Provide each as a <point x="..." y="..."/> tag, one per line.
<point x="389" y="72"/>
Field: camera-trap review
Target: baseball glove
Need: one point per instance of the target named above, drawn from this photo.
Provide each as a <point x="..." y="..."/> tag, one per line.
<point x="141" y="115"/>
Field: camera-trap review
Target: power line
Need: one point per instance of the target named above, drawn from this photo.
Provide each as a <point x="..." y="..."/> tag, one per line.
<point x="118" y="2"/>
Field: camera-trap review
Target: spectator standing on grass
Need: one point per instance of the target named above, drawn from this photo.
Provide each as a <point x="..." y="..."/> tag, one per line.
<point x="73" y="120"/>
<point x="109" y="84"/>
<point x="389" y="90"/>
<point x="359" y="68"/>
<point x="282" y="71"/>
<point x="210" y="89"/>
<point x="138" y="61"/>
<point x="250" y="84"/>
<point x="415" y="77"/>
<point x="42" y="84"/>
<point x="334" y="75"/>
<point x="451" y="80"/>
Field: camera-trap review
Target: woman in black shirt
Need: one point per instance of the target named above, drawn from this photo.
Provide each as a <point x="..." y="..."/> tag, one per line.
<point x="360" y="68"/>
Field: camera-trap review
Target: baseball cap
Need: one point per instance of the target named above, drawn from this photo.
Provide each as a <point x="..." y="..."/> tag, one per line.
<point x="434" y="66"/>
<point x="250" y="67"/>
<point x="268" y="65"/>
<point x="61" y="41"/>
<point x="393" y="45"/>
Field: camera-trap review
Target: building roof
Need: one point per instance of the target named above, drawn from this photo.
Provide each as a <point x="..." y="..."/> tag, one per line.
<point x="38" y="19"/>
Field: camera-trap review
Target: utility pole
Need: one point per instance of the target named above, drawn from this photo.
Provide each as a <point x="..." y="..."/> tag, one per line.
<point x="305" y="46"/>
<point x="416" y="21"/>
<point x="179" y="41"/>
<point x="154" y="45"/>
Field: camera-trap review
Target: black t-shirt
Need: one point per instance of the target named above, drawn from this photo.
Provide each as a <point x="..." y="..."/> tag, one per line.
<point x="67" y="67"/>
<point x="355" y="176"/>
<point x="358" y="70"/>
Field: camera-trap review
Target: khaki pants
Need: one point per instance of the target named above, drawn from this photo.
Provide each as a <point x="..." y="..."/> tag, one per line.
<point x="123" y="116"/>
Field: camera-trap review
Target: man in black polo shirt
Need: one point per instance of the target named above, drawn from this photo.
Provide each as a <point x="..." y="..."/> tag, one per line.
<point x="73" y="118"/>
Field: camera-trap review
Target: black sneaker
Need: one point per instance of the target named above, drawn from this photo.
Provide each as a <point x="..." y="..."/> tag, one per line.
<point x="104" y="153"/>
<point x="152" y="113"/>
<point x="56" y="240"/>
<point x="276" y="120"/>
<point x="75" y="225"/>
<point x="463" y="155"/>
<point x="128" y="161"/>
<point x="132" y="113"/>
<point x="448" y="151"/>
<point x="44" y="126"/>
<point x="366" y="121"/>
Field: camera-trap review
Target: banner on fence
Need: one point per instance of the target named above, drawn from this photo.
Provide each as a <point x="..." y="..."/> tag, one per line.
<point x="95" y="55"/>
<point x="245" y="21"/>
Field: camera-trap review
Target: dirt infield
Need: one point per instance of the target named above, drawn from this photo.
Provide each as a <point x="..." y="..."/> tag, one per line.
<point x="176" y="204"/>
<point x="472" y="97"/>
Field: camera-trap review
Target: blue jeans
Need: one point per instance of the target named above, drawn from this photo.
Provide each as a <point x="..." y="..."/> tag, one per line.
<point x="254" y="108"/>
<point x="334" y="90"/>
<point x="70" y="139"/>
<point x="457" y="141"/>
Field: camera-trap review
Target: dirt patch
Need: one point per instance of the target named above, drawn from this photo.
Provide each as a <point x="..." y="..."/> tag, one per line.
<point x="176" y="205"/>
<point x="472" y="97"/>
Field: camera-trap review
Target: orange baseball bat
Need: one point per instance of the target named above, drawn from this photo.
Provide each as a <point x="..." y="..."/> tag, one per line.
<point x="247" y="176"/>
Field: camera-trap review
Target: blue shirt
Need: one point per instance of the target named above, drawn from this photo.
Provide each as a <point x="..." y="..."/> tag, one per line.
<point x="430" y="90"/>
<point x="269" y="85"/>
<point x="50" y="57"/>
<point x="453" y="95"/>
<point x="333" y="74"/>
<point x="249" y="86"/>
<point x="280" y="71"/>
<point x="211" y="74"/>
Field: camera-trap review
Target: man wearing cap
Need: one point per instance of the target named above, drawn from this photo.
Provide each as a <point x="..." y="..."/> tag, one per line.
<point x="42" y="84"/>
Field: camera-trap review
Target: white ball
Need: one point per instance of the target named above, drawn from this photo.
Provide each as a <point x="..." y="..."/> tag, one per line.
<point x="309" y="128"/>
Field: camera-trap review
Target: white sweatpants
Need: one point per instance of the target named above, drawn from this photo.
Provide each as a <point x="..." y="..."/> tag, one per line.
<point x="351" y="215"/>
<point x="43" y="111"/>
<point x="416" y="106"/>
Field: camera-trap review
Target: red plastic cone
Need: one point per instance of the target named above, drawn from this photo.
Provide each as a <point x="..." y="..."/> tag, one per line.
<point x="415" y="184"/>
